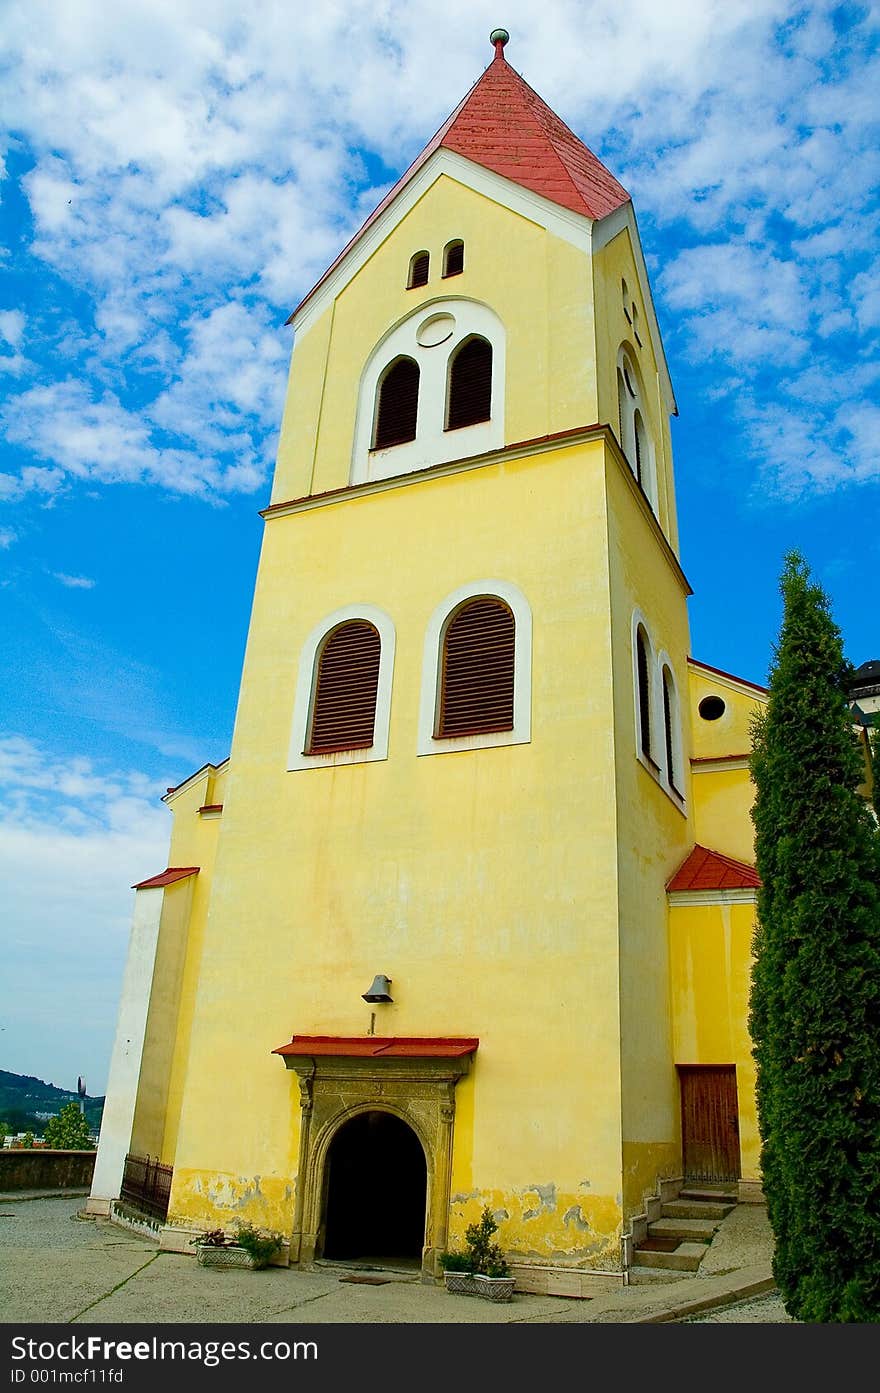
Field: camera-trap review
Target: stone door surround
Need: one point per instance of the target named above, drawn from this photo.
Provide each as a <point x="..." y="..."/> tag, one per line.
<point x="414" y="1079"/>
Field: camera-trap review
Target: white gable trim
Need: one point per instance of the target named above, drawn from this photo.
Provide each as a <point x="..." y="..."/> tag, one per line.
<point x="728" y="680"/>
<point x="695" y="898"/>
<point x="570" y="227"/>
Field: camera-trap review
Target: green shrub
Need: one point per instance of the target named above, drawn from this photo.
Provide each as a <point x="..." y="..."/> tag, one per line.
<point x="486" y="1257"/>
<point x="69" y="1131"/>
<point x="262" y="1245"/>
<point x="815" y="995"/>
<point x="456" y="1262"/>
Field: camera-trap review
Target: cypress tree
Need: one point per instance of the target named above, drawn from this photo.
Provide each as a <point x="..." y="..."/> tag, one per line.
<point x="815" y="996"/>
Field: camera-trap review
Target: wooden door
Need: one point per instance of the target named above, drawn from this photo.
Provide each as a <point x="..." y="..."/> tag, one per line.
<point x="709" y="1122"/>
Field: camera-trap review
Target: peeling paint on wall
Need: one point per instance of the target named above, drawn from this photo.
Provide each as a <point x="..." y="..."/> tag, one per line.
<point x="564" y="1229"/>
<point x="574" y="1216"/>
<point x="217" y="1200"/>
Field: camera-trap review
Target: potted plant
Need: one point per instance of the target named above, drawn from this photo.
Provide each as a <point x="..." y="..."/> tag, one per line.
<point x="249" y="1247"/>
<point x="458" y="1272"/>
<point x="492" y="1277"/>
<point x="496" y="1283"/>
<point x="482" y="1269"/>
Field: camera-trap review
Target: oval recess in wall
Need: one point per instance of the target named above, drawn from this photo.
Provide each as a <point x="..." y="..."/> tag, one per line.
<point x="436" y="329"/>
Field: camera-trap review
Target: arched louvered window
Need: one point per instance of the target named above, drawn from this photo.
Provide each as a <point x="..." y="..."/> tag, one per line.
<point x="453" y="258"/>
<point x="640" y="444"/>
<point x="470" y="384"/>
<point x="477" y="679"/>
<point x="397" y="407"/>
<point x="622" y="410"/>
<point x="668" y="718"/>
<point x="418" y="270"/>
<point x="344" y="706"/>
<point x="644" y="689"/>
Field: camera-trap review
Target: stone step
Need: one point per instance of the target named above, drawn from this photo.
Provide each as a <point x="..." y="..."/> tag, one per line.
<point x="718" y="1194"/>
<point x="694" y="1209"/>
<point x="646" y="1276"/>
<point x="685" y="1258"/>
<point x="692" y="1230"/>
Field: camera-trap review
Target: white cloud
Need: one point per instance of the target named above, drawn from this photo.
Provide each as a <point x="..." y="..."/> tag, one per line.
<point x="7" y="537"/>
<point x="195" y="165"/>
<point x="101" y="440"/>
<point x="12" y="324"/>
<point x="74" y="582"/>
<point x="83" y="835"/>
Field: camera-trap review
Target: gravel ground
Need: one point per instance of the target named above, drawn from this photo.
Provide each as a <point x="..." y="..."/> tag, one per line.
<point x="767" y="1309"/>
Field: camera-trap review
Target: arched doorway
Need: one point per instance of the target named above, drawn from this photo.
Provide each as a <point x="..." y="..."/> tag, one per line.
<point x="376" y="1186"/>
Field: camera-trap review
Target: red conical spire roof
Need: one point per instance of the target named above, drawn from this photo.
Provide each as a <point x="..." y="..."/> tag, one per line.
<point x="503" y="125"/>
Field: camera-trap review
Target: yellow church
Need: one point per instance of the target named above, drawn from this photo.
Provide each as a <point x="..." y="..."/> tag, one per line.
<point x="465" y="918"/>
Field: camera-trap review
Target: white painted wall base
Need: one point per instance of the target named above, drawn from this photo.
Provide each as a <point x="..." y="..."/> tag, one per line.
<point x="125" y="1063"/>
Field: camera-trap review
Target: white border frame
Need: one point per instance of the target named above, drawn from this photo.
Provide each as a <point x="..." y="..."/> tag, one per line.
<point x="635" y="403"/>
<point x="664" y="665"/>
<point x="652" y="765"/>
<point x="521" y="734"/>
<point x="433" y="443"/>
<point x="305" y="691"/>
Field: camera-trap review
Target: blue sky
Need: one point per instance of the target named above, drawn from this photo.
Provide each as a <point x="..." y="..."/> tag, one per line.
<point x="176" y="177"/>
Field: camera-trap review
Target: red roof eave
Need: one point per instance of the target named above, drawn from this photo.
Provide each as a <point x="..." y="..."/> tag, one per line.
<point x="379" y="1047"/>
<point x="712" y="870"/>
<point x="167" y="877"/>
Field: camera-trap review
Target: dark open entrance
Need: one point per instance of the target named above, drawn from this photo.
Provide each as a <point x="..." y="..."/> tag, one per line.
<point x="376" y="1189"/>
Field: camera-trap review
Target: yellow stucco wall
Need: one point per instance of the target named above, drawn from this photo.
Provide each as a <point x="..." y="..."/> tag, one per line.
<point x="710" y="949"/>
<point x="184" y="911"/>
<point x="654" y="834"/>
<point x="516" y="893"/>
<point x="539" y="286"/>
<point x="723" y="790"/>
<point x="456" y="874"/>
<point x="612" y="264"/>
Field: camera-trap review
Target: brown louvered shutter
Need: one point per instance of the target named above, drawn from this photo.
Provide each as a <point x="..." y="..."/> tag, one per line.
<point x="454" y="263"/>
<point x="418" y="270"/>
<point x="398" y="405"/>
<point x="476" y="694"/>
<point x="470" y="384"/>
<point x="344" y="711"/>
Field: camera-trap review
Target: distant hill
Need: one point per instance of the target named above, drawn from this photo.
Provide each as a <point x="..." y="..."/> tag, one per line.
<point x="26" y="1103"/>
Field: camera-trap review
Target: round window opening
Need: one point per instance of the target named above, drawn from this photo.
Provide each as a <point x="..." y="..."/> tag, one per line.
<point x="711" y="707"/>
<point x="434" y="330"/>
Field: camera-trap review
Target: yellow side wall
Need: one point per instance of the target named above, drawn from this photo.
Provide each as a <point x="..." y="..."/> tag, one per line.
<point x="710" y="955"/>
<point x="539" y="286"/>
<point x="654" y="835"/>
<point x="457" y="875"/>
<point x="723" y="792"/>
<point x="612" y="264"/>
<point x="184" y="911"/>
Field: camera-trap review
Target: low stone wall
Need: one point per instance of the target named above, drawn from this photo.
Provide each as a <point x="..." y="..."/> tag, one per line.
<point x="25" y="1169"/>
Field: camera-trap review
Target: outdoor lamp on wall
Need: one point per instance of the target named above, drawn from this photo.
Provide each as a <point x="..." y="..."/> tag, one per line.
<point x="379" y="990"/>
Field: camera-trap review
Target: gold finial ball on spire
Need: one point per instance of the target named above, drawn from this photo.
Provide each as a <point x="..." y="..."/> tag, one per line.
<point x="499" y="37"/>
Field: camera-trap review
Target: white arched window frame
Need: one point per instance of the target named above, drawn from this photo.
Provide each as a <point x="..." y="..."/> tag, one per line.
<point x="306" y="683"/>
<point x="655" y="712"/>
<point x="673" y="779"/>
<point x="432" y="671"/>
<point x="635" y="437"/>
<point x="430" y="335"/>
